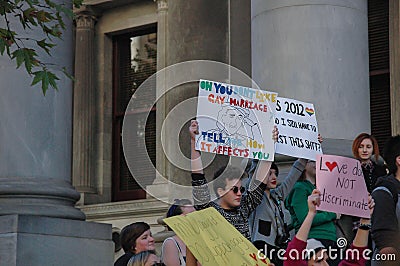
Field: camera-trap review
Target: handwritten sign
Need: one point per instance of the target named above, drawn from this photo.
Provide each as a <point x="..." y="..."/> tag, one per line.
<point x="342" y="185"/>
<point x="235" y="120"/>
<point x="298" y="131"/>
<point x="213" y="240"/>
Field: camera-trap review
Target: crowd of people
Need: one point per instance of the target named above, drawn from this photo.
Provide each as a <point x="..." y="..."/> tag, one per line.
<point x="283" y="216"/>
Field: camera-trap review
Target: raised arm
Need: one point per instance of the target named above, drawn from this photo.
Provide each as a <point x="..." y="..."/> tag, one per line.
<point x="263" y="167"/>
<point x="258" y="182"/>
<point x="312" y="201"/>
<point x="299" y="242"/>
<point x="361" y="238"/>
<point x="295" y="172"/>
<point x="201" y="194"/>
<point x="196" y="164"/>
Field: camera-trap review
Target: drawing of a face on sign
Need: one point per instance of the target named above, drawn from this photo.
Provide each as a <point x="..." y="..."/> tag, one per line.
<point x="231" y="120"/>
<point x="234" y="122"/>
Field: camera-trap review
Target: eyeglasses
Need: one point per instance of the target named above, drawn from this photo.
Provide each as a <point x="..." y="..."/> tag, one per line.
<point x="158" y="264"/>
<point x="236" y="189"/>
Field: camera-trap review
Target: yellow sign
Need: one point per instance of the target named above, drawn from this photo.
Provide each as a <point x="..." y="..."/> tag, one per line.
<point x="213" y="240"/>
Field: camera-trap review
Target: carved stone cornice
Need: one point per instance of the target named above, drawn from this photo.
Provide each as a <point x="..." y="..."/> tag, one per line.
<point x="119" y="210"/>
<point x="162" y="5"/>
<point x="84" y="20"/>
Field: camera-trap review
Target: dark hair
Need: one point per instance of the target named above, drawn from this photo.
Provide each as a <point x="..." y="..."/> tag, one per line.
<point x="176" y="208"/>
<point x="130" y="233"/>
<point x="311" y="253"/>
<point x="227" y="173"/>
<point x="275" y="167"/>
<point x="302" y="176"/>
<point x="357" y="142"/>
<point x="391" y="151"/>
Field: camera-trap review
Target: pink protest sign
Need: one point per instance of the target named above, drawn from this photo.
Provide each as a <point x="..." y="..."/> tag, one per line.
<point x="341" y="183"/>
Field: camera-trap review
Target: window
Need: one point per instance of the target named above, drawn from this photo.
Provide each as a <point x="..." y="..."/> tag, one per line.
<point x="378" y="41"/>
<point x="134" y="60"/>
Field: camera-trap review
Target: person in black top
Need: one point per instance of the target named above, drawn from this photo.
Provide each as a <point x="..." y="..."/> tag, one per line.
<point x="232" y="204"/>
<point x="365" y="149"/>
<point x="386" y="216"/>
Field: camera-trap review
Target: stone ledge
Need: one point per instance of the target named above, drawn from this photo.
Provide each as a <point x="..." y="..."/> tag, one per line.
<point x="124" y="209"/>
<point x="31" y="224"/>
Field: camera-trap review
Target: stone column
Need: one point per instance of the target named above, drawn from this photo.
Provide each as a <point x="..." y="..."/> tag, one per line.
<point x="35" y="141"/>
<point x="159" y="187"/>
<point x="196" y="30"/>
<point x="39" y="224"/>
<point x="83" y="159"/>
<point x="316" y="51"/>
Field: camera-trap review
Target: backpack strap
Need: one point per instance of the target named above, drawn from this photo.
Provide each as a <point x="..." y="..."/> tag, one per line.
<point x="395" y="197"/>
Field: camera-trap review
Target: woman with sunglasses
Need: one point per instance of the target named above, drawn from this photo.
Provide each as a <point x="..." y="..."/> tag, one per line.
<point x="231" y="204"/>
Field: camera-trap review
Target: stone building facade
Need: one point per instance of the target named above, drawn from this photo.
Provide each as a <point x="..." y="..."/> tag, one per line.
<point x="322" y="52"/>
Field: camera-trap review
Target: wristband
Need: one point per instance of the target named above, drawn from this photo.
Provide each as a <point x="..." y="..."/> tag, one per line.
<point x="365" y="226"/>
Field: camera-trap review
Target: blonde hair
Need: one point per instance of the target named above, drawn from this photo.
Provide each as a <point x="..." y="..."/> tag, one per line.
<point x="140" y="259"/>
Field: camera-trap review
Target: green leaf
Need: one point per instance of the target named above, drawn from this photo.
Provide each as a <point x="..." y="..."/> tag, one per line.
<point x="77" y="3"/>
<point x="67" y="11"/>
<point x="52" y="80"/>
<point x="45" y="46"/>
<point x="27" y="56"/>
<point x="37" y="76"/>
<point x="47" y="78"/>
<point x="29" y="16"/>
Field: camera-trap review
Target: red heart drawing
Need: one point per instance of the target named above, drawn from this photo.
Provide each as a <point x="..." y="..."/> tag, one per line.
<point x="331" y="165"/>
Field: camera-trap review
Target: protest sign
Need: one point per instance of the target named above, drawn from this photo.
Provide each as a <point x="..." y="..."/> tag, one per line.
<point x="235" y="120"/>
<point x="341" y="183"/>
<point x="213" y="240"/>
<point x="298" y="131"/>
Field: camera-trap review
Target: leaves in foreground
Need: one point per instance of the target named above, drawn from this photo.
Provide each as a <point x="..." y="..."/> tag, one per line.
<point x="45" y="16"/>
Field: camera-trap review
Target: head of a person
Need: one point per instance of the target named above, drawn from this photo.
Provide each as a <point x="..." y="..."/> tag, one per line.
<point x="180" y="207"/>
<point x="227" y="186"/>
<point x="316" y="254"/>
<point x="364" y="147"/>
<point x="391" y="154"/>
<point x="272" y="176"/>
<point x="137" y="237"/>
<point x="144" y="258"/>
<point x="309" y="170"/>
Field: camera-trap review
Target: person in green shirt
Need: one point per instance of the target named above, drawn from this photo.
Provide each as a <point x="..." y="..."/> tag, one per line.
<point x="323" y="226"/>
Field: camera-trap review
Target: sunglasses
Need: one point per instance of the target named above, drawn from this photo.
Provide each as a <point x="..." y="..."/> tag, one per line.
<point x="236" y="189"/>
<point x="158" y="264"/>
